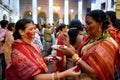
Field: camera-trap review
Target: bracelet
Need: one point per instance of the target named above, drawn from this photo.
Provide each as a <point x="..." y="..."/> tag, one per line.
<point x="53" y="76"/>
<point x="75" y="57"/>
<point x="78" y="60"/>
<point x="58" y="77"/>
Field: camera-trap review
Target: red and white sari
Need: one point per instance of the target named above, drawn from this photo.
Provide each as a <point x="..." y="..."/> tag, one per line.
<point x="27" y="62"/>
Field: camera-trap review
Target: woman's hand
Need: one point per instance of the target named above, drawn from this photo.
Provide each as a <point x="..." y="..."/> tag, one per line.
<point x="72" y="72"/>
<point x="66" y="50"/>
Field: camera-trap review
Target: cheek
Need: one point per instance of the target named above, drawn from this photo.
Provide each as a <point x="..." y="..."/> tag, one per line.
<point x="29" y="34"/>
<point x="91" y="28"/>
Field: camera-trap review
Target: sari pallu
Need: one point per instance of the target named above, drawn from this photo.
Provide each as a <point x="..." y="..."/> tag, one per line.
<point x="100" y="56"/>
<point x="115" y="34"/>
<point x="26" y="62"/>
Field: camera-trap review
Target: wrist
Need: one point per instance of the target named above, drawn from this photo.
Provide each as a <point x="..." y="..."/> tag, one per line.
<point x="75" y="57"/>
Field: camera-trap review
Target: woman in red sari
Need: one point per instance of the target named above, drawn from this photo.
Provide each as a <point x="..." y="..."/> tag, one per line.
<point x="27" y="61"/>
<point x="98" y="55"/>
<point x="114" y="31"/>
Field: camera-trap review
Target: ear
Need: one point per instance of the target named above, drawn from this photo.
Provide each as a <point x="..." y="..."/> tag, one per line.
<point x="21" y="32"/>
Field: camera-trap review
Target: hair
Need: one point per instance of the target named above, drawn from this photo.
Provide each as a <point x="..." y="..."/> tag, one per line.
<point x="20" y="25"/>
<point x="75" y="23"/>
<point x="3" y="23"/>
<point x="10" y="25"/>
<point x="100" y="17"/>
<point x="59" y="28"/>
<point x="114" y="20"/>
<point x="74" y="27"/>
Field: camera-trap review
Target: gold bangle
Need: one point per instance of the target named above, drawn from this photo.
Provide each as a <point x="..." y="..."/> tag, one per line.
<point x="75" y="57"/>
<point x="78" y="60"/>
<point x="55" y="76"/>
<point x="58" y="77"/>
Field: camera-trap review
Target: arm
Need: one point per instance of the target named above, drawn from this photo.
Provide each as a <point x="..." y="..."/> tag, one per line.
<point x="81" y="63"/>
<point x="69" y="72"/>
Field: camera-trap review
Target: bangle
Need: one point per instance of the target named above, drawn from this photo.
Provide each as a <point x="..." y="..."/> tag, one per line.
<point x="78" y="60"/>
<point x="53" y="76"/>
<point x="75" y="57"/>
<point x="58" y="77"/>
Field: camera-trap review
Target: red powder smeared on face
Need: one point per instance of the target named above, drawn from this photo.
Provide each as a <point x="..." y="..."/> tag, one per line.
<point x="91" y="28"/>
<point x="29" y="34"/>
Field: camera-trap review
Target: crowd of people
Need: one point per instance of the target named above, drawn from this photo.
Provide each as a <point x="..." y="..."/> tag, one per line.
<point x="91" y="52"/>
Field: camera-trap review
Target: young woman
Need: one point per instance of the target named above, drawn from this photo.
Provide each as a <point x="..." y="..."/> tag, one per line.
<point x="27" y="61"/>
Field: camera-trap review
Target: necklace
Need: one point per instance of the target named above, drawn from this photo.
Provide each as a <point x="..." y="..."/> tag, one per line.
<point x="106" y="35"/>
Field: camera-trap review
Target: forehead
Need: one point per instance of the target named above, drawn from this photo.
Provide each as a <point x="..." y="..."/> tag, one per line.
<point x="89" y="18"/>
<point x="29" y="25"/>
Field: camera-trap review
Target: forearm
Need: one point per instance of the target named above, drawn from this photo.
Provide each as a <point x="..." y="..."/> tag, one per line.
<point x="49" y="76"/>
<point x="83" y="65"/>
<point x="86" y="68"/>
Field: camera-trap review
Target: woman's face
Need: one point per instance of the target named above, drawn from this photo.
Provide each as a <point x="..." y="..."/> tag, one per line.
<point x="30" y="31"/>
<point x="92" y="27"/>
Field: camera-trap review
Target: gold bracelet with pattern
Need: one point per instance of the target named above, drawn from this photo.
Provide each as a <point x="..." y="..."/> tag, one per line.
<point x="75" y="58"/>
<point x="58" y="77"/>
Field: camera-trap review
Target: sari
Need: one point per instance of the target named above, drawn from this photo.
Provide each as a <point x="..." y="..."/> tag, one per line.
<point x="27" y="62"/>
<point x="115" y="34"/>
<point x="100" y="55"/>
<point x="61" y="63"/>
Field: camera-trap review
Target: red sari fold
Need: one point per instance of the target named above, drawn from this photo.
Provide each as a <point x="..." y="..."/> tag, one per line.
<point x="27" y="62"/>
<point x="115" y="34"/>
<point x="101" y="56"/>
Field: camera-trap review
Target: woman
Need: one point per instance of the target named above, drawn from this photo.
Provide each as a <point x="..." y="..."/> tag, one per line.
<point x="98" y="55"/>
<point x="114" y="31"/>
<point x="27" y="62"/>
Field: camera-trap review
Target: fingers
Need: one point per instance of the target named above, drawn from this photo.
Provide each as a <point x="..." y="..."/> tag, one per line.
<point x="74" y="67"/>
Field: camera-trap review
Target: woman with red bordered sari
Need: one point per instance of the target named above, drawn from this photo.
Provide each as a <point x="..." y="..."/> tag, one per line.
<point x="114" y="31"/>
<point x="27" y="62"/>
<point x="98" y="55"/>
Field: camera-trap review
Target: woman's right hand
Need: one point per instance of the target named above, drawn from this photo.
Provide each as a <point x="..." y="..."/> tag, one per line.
<point x="72" y="72"/>
<point x="66" y="51"/>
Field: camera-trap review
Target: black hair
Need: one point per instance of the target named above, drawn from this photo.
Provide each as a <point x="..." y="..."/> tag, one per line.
<point x="100" y="17"/>
<point x="20" y="25"/>
<point x="3" y="23"/>
<point x="61" y="27"/>
<point x="75" y="23"/>
<point x="114" y="20"/>
<point x="74" y="27"/>
<point x="10" y="25"/>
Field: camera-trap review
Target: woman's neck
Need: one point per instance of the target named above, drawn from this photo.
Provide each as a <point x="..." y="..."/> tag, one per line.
<point x="97" y="35"/>
<point x="27" y="40"/>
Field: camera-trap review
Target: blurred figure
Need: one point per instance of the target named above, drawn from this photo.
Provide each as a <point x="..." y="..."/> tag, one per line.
<point x="37" y="39"/>
<point x="3" y="30"/>
<point x="114" y="31"/>
<point x="61" y="65"/>
<point x="9" y="39"/>
<point x="75" y="38"/>
<point x="47" y="38"/>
